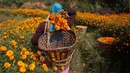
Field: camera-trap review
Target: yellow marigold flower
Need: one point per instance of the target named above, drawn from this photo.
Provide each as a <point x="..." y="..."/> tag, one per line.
<point x="23" y="56"/>
<point x="21" y="37"/>
<point x="32" y="66"/>
<point x="13" y="42"/>
<point x="20" y="63"/>
<point x="3" y="48"/>
<point x="26" y="52"/>
<point x="55" y="68"/>
<point x="23" y="49"/>
<point x="57" y="27"/>
<point x="22" y="69"/>
<point x="9" y="53"/>
<point x="11" y="57"/>
<point x="7" y="65"/>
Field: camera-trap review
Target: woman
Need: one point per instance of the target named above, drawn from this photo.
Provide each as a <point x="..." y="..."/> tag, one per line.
<point x="56" y="8"/>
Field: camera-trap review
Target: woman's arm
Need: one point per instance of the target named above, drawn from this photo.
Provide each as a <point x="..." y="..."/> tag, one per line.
<point x="39" y="32"/>
<point x="72" y="16"/>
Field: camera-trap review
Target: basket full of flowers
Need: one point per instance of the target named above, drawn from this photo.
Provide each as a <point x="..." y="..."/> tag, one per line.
<point x="107" y="42"/>
<point x="58" y="40"/>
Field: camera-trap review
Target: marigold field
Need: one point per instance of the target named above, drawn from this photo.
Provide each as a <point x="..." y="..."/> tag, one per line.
<point x="16" y="55"/>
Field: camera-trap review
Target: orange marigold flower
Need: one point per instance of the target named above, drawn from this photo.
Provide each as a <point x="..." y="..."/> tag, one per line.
<point x="39" y="53"/>
<point x="4" y="33"/>
<point x="7" y="64"/>
<point x="44" y="66"/>
<point x="24" y="56"/>
<point x="22" y="69"/>
<point x="3" y="48"/>
<point x="21" y="37"/>
<point x="55" y="68"/>
<point x="11" y="57"/>
<point x="62" y="68"/>
<point x="20" y="64"/>
<point x="5" y="37"/>
<point x="42" y="58"/>
<point x="9" y="53"/>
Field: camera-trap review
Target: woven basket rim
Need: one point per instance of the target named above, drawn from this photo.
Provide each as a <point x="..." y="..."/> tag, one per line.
<point x="59" y="48"/>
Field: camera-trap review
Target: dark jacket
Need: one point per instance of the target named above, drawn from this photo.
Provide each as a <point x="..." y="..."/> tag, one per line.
<point x="41" y="27"/>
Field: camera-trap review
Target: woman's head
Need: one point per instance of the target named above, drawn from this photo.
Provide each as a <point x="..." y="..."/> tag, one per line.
<point x="56" y="8"/>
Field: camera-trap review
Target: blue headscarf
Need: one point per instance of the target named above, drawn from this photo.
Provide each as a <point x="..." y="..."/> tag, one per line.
<point x="56" y="8"/>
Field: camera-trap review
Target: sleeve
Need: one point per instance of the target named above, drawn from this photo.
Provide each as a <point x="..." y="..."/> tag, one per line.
<point x="71" y="12"/>
<point x="72" y="16"/>
<point x="39" y="32"/>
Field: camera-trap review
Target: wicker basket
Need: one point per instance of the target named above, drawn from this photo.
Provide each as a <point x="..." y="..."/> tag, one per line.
<point x="58" y="46"/>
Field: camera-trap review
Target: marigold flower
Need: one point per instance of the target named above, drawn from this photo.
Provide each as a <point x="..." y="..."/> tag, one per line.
<point x="57" y="27"/>
<point x="5" y="37"/>
<point x="26" y="52"/>
<point x="24" y="56"/>
<point x="13" y="42"/>
<point x="11" y="57"/>
<point x="21" y="37"/>
<point x="44" y="65"/>
<point x="32" y="66"/>
<point x="42" y="58"/>
<point x="11" y="32"/>
<point x="23" y="49"/>
<point x="22" y="69"/>
<point x="55" y="68"/>
<point x="3" y="48"/>
<point x="20" y="64"/>
<point x="45" y="68"/>
<point x="7" y="64"/>
<point x="62" y="68"/>
<point x="4" y="33"/>
<point x="9" y="53"/>
<point x="39" y="53"/>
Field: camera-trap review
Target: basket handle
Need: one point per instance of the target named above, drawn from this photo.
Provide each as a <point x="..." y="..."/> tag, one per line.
<point x="47" y="26"/>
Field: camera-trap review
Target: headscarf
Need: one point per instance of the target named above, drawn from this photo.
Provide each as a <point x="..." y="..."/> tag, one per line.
<point x="56" y="8"/>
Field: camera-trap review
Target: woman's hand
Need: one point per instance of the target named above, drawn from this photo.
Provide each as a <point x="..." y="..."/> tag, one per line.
<point x="64" y="13"/>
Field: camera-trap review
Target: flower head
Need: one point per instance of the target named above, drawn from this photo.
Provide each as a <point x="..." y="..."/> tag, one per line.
<point x="20" y="64"/>
<point x="32" y="66"/>
<point x="13" y="42"/>
<point x="3" y="48"/>
<point x="9" y="53"/>
<point x="7" y="64"/>
<point x="22" y="69"/>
